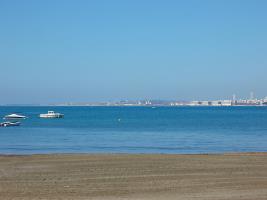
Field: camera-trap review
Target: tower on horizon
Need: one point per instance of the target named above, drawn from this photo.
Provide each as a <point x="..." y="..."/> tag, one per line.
<point x="234" y="97"/>
<point x="234" y="100"/>
<point x="251" y="95"/>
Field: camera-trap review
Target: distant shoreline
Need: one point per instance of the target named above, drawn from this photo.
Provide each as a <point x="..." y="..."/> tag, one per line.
<point x="134" y="154"/>
<point x="147" y="106"/>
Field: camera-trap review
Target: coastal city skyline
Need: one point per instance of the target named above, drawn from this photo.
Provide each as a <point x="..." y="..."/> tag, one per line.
<point x="251" y="100"/>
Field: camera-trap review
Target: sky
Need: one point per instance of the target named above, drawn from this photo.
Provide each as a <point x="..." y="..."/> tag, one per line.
<point x="54" y="51"/>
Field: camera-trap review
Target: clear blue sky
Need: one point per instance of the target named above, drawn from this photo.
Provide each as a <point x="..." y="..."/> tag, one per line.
<point x="62" y="51"/>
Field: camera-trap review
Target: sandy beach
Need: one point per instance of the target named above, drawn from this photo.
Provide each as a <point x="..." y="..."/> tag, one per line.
<point x="119" y="176"/>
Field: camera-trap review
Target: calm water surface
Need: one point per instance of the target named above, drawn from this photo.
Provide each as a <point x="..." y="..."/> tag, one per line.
<point x="137" y="130"/>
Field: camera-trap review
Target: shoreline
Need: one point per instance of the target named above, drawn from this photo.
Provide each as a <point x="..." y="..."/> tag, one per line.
<point x="239" y="176"/>
<point x="136" y="154"/>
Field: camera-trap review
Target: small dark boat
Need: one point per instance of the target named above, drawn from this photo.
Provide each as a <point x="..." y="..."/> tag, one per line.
<point x="7" y="124"/>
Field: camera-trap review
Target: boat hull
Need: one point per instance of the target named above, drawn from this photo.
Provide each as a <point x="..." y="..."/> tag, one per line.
<point x="14" y="118"/>
<point x="51" y="116"/>
<point x="7" y="124"/>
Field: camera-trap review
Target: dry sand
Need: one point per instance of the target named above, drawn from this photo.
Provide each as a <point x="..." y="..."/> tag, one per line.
<point x="204" y="177"/>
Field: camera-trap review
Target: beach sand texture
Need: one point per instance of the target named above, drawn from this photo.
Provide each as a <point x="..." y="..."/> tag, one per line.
<point x="119" y="176"/>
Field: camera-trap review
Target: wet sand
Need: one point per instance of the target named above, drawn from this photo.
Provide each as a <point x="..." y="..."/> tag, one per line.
<point x="119" y="176"/>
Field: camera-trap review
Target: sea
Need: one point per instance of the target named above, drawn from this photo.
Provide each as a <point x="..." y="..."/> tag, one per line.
<point x="160" y="130"/>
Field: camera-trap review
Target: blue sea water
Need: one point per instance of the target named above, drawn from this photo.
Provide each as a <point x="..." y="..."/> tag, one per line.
<point x="137" y="130"/>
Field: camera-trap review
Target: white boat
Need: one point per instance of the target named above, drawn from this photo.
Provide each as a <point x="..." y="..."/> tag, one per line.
<point x="6" y="124"/>
<point x="52" y="114"/>
<point x="14" y="116"/>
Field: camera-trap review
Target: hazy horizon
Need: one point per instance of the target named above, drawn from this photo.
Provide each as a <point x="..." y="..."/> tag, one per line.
<point x="121" y="100"/>
<point x="88" y="51"/>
